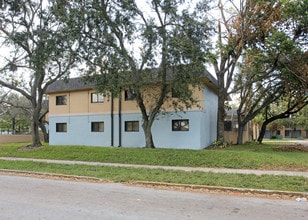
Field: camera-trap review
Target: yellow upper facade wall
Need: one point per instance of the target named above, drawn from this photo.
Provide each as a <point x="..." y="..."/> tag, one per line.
<point x="79" y="102"/>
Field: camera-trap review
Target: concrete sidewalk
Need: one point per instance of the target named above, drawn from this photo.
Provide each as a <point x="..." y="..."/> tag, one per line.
<point x="188" y="169"/>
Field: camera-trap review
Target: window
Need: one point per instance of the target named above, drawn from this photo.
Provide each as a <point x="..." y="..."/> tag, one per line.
<point x="228" y="125"/>
<point x="180" y="125"/>
<point x="97" y="97"/>
<point x="61" y="127"/>
<point x="131" y="126"/>
<point x="97" y="126"/>
<point x="61" y="100"/>
<point x="129" y="95"/>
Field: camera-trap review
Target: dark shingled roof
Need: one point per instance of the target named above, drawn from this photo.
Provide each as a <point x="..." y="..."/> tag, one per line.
<point x="78" y="83"/>
<point x="69" y="85"/>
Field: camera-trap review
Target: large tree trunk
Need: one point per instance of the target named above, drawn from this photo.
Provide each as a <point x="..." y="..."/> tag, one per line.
<point x="242" y="122"/>
<point x="221" y="112"/>
<point x="45" y="133"/>
<point x="262" y="132"/>
<point x="36" y="142"/>
<point x="220" y="119"/>
<point x="240" y="132"/>
<point x="42" y="123"/>
<point x="149" y="143"/>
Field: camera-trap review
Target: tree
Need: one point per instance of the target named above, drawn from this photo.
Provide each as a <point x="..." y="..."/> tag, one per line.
<point x="295" y="24"/>
<point x="269" y="72"/>
<point x="260" y="90"/>
<point x="16" y="112"/>
<point x="136" y="47"/>
<point x="291" y="109"/>
<point x="257" y="90"/>
<point x="300" y="119"/>
<point x="237" y="27"/>
<point x="38" y="50"/>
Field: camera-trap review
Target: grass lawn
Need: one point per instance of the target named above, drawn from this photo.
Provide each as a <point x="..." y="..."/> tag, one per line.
<point x="249" y="156"/>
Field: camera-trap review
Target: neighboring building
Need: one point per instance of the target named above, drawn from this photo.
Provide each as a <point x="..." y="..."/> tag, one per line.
<point x="80" y="116"/>
<point x="231" y="128"/>
<point x="252" y="130"/>
<point x="286" y="132"/>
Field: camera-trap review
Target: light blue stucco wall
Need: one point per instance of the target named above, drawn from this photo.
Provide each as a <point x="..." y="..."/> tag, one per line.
<point x="202" y="129"/>
<point x="209" y="127"/>
<point x="130" y="139"/>
<point x="79" y="130"/>
<point x="164" y="137"/>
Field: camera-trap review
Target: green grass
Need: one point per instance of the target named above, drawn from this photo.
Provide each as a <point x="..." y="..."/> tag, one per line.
<point x="249" y="156"/>
<point x="125" y="174"/>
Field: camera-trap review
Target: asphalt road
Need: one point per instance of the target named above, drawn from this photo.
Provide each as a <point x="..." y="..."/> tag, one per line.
<point x="33" y="198"/>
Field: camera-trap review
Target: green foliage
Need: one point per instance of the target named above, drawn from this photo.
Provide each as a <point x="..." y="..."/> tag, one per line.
<point x="39" y="49"/>
<point x="251" y="155"/>
<point x="221" y="144"/>
<point x="125" y="174"/>
<point x="128" y="47"/>
<point x="15" y="117"/>
<point x="273" y="79"/>
<point x="298" y="120"/>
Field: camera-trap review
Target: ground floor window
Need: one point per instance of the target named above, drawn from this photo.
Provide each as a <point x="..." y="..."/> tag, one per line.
<point x="180" y="125"/>
<point x="132" y="126"/>
<point x="97" y="126"/>
<point x="61" y="127"/>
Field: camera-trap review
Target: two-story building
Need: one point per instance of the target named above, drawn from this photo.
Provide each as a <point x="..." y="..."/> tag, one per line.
<point x="78" y="115"/>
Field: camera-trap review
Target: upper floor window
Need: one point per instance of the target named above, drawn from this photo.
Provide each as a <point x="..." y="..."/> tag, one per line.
<point x="129" y="95"/>
<point x="180" y="125"/>
<point x="61" y="100"/>
<point x="97" y="97"/>
<point x="97" y="126"/>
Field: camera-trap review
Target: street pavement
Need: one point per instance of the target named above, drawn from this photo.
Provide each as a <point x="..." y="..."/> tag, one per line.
<point x="34" y="198"/>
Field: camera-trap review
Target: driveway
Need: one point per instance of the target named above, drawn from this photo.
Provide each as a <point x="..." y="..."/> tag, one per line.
<point x="33" y="198"/>
<point x="303" y="142"/>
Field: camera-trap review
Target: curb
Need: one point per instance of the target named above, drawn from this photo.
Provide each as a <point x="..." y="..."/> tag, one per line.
<point x="231" y="190"/>
<point x="55" y="176"/>
<point x="164" y="185"/>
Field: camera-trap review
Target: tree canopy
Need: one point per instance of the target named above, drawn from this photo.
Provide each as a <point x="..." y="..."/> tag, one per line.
<point x="274" y="64"/>
<point x="14" y="113"/>
<point x="37" y="51"/>
<point x="260" y="48"/>
<point x="130" y="45"/>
